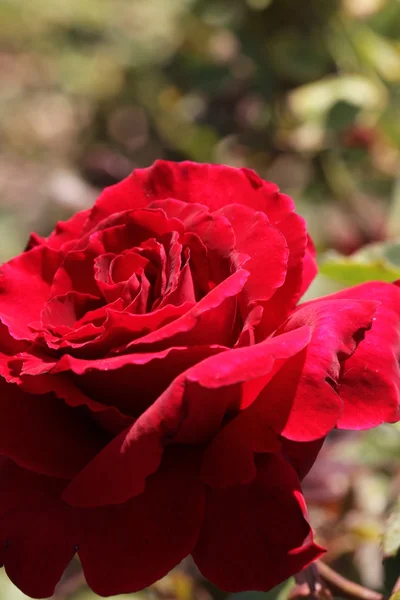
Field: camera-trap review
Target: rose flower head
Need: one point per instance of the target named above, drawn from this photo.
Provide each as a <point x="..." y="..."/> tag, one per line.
<point x="162" y="393"/>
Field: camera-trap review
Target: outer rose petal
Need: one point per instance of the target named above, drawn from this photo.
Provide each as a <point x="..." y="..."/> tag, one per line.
<point x="68" y="231"/>
<point x="260" y="241"/>
<point x="255" y="536"/>
<point x="190" y="411"/>
<point x="301" y="270"/>
<point x="122" y="549"/>
<point x="370" y="381"/>
<point x="301" y="455"/>
<point x="212" y="185"/>
<point x="43" y="434"/>
<point x="315" y="408"/>
<point x="127" y="381"/>
<point x="25" y="283"/>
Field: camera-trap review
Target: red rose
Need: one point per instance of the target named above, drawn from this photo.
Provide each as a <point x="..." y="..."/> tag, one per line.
<point x="162" y="396"/>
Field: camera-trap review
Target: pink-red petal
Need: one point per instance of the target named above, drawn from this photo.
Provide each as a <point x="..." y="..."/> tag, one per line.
<point x="369" y="383"/>
<point x="311" y="381"/>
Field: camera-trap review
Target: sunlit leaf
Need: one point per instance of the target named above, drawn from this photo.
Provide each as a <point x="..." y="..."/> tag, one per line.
<point x="379" y="262"/>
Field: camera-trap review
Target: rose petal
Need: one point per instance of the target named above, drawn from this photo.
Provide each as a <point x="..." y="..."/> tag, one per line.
<point x="301" y="270"/>
<point x="301" y="455"/>
<point x="210" y="185"/>
<point x="262" y="243"/>
<point x="338" y="326"/>
<point x="25" y="283"/>
<point x="44" y="435"/>
<point x="211" y="320"/>
<point x="66" y="232"/>
<point x="370" y="381"/>
<point x="255" y="536"/>
<point x="127" y="382"/>
<point x="190" y="411"/>
<point x="213" y="229"/>
<point x="122" y="549"/>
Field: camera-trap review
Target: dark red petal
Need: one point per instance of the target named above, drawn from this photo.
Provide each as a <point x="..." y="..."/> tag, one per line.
<point x="64" y="311"/>
<point x="301" y="270"/>
<point x="68" y="231"/>
<point x="182" y="291"/>
<point x="131" y="546"/>
<point x="311" y="381"/>
<point x="255" y="536"/>
<point x="190" y="411"/>
<point x="122" y="549"/>
<point x="122" y="327"/>
<point x="110" y="418"/>
<point x="41" y="433"/>
<point x="370" y="380"/>
<point x="211" y="320"/>
<point x="213" y="229"/>
<point x="35" y="530"/>
<point x="127" y="381"/>
<point x="229" y="459"/>
<point x="25" y="283"/>
<point x="266" y="248"/>
<point x="212" y="185"/>
<point x="275" y="204"/>
<point x="310" y="267"/>
<point x="301" y="455"/>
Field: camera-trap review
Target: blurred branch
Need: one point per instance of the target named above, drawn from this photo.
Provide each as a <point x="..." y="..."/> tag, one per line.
<point x="343" y="587"/>
<point x="320" y="582"/>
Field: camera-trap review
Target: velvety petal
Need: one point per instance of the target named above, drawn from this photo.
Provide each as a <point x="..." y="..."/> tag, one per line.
<point x="300" y="272"/>
<point x="119" y="233"/>
<point x="210" y="185"/>
<point x="67" y="232"/>
<point x="122" y="549"/>
<point x="370" y="380"/>
<point x="213" y="229"/>
<point x="264" y="245"/>
<point x="183" y="290"/>
<point x="127" y="381"/>
<point x="275" y="204"/>
<point x="255" y="536"/>
<point x="190" y="411"/>
<point x="229" y="459"/>
<point x="76" y="273"/>
<point x="311" y="381"/>
<point x="211" y="320"/>
<point x="65" y="310"/>
<point x="301" y="455"/>
<point x="310" y="267"/>
<point x="142" y="540"/>
<point x="36" y="537"/>
<point x="40" y="382"/>
<point x="25" y="283"/>
<point x="122" y="327"/>
<point x="43" y="434"/>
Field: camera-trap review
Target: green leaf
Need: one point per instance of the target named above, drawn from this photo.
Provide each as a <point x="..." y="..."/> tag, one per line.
<point x="391" y="536"/>
<point x="379" y="262"/>
<point x="279" y="592"/>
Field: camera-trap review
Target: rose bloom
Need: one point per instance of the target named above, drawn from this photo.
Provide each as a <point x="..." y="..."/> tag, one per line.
<point x="161" y="393"/>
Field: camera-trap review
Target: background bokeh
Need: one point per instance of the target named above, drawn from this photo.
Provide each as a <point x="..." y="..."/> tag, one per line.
<point x="305" y="92"/>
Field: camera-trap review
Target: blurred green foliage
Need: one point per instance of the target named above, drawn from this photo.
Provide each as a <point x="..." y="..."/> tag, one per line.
<point x="306" y="93"/>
